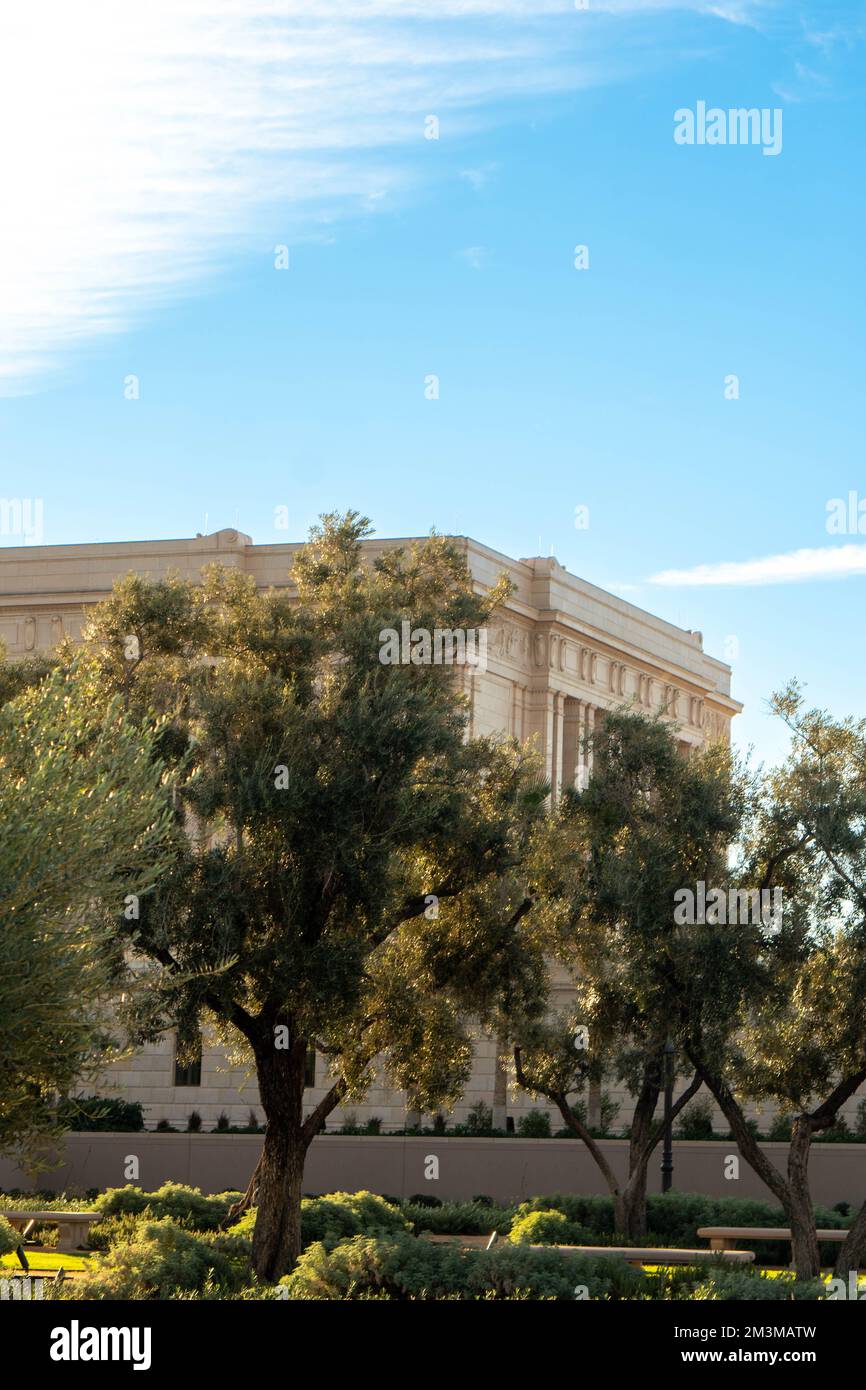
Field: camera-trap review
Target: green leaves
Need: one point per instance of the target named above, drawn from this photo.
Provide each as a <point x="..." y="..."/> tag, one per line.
<point x="329" y="798"/>
<point x="85" y="816"/>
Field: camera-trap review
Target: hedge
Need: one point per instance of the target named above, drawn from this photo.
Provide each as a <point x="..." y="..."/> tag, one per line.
<point x="408" y="1268"/>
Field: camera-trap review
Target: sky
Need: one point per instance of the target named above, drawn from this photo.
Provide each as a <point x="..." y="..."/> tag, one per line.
<point x="481" y="266"/>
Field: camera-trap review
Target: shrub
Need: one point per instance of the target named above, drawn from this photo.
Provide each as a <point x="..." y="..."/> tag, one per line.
<point x="595" y="1214"/>
<point x="674" y="1217"/>
<point x="332" y="1218"/>
<point x="159" y="1258"/>
<point x="547" y="1228"/>
<point x="458" y="1218"/>
<point x="193" y="1122"/>
<point x="535" y="1124"/>
<point x="113" y="1230"/>
<point x="735" y="1285"/>
<point x="404" y="1267"/>
<point x="839" y="1134"/>
<point x="223" y="1124"/>
<point x="10" y="1239"/>
<point x="424" y="1199"/>
<point x="189" y="1207"/>
<point x="16" y="1200"/>
<point x="780" y="1129"/>
<point x="696" y="1121"/>
<point x="336" y="1217"/>
<point x="100" y="1113"/>
<point x="480" y="1119"/>
<point x="608" y="1109"/>
<point x="163" y="1127"/>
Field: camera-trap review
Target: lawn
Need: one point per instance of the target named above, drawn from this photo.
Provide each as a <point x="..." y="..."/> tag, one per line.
<point x="46" y="1262"/>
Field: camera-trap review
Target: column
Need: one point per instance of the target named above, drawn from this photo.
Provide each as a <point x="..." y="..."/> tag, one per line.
<point x="556" y="749"/>
<point x="590" y="729"/>
<point x="571" y="741"/>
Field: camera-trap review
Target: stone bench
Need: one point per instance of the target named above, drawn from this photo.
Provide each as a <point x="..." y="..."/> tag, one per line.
<point x="73" y="1226"/>
<point x="633" y="1254"/>
<point x="653" y="1255"/>
<point x="725" y="1238"/>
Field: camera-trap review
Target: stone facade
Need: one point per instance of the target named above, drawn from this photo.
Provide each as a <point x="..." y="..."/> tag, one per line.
<point x="561" y="651"/>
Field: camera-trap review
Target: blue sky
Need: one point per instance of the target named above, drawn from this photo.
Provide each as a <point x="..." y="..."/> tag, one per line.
<point x="157" y="160"/>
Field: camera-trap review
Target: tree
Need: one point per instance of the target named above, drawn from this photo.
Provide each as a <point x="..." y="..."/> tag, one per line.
<point x="83" y="826"/>
<point x="801" y="1034"/>
<point x="348" y="859"/>
<point x="649" y="822"/>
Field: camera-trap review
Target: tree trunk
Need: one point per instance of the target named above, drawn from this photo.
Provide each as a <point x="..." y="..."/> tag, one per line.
<point x="629" y="1205"/>
<point x="804" y="1240"/>
<point x="629" y="1200"/>
<point x="277" y="1233"/>
<point x="851" y="1249"/>
<point x="793" y="1194"/>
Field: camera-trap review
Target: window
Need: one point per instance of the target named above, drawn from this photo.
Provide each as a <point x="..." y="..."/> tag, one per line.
<point x="189" y="1074"/>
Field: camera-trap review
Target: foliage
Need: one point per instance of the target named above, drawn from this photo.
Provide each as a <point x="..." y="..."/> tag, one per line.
<point x="100" y="1113"/>
<point x="535" y="1124"/>
<point x="673" y="1219"/>
<point x="458" y="1218"/>
<point x="335" y="797"/>
<point x="83" y="825"/>
<point x="412" y="1268"/>
<point x="547" y="1228"/>
<point x="333" y="1218"/>
<point x="696" y="1120"/>
<point x="185" y="1205"/>
<point x="611" y="862"/>
<point x="158" y="1258"/>
<point x="799" y="1015"/>
<point x="737" y="1286"/>
<point x="10" y="1239"/>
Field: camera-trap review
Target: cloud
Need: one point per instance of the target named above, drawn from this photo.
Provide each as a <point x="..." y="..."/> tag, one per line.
<point x="144" y="144"/>
<point x="480" y="177"/>
<point x="796" y="567"/>
<point x="474" y="256"/>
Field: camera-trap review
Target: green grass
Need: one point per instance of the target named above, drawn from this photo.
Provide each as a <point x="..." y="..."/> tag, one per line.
<point x="46" y="1262"/>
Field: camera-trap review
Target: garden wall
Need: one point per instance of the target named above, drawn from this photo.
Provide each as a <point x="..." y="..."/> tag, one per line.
<point x="502" y="1168"/>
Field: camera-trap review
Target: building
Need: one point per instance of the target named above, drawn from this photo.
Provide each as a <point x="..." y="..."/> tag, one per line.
<point x="560" y="652"/>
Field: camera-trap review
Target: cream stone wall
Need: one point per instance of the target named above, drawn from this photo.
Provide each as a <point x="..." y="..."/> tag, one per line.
<point x="560" y="652"/>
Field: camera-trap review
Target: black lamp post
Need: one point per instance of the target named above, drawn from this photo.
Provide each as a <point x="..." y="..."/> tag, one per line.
<point x="667" y="1164"/>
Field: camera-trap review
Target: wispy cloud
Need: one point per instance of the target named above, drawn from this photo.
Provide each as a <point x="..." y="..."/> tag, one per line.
<point x="479" y="178"/>
<point x="796" y="567"/>
<point x="141" y="142"/>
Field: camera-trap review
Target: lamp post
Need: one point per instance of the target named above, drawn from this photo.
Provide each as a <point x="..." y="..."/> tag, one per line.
<point x="667" y="1164"/>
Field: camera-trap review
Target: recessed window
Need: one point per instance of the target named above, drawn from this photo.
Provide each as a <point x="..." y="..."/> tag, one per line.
<point x="189" y="1073"/>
